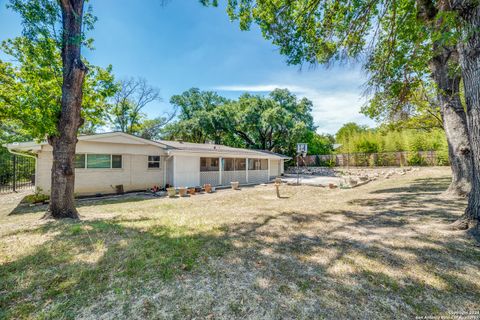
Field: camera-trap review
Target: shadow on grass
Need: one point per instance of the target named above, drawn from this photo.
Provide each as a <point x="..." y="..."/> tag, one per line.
<point x="23" y="208"/>
<point x="367" y="275"/>
<point x="420" y="199"/>
<point x="84" y="261"/>
<point x="370" y="265"/>
<point x="375" y="264"/>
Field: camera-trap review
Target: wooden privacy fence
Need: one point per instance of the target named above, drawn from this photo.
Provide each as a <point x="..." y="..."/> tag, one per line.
<point x="385" y="159"/>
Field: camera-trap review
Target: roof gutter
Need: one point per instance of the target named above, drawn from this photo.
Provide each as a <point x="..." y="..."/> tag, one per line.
<point x="21" y="154"/>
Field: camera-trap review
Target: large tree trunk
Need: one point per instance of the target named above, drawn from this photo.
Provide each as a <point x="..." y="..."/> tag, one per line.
<point x="453" y="113"/>
<point x="454" y="119"/>
<point x="62" y="202"/>
<point x="469" y="50"/>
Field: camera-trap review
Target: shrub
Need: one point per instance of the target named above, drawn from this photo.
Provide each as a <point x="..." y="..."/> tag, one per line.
<point x="415" y="159"/>
<point x="37" y="197"/>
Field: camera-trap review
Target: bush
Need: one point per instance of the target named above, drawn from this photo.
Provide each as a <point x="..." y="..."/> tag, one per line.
<point x="328" y="163"/>
<point x="415" y="159"/>
<point x="442" y="158"/>
<point x="37" y="197"/>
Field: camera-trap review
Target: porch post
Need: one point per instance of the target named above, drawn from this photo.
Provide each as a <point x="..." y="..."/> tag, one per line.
<point x="246" y="169"/>
<point x="268" y="169"/>
<point x="173" y="172"/>
<point x="220" y="169"/>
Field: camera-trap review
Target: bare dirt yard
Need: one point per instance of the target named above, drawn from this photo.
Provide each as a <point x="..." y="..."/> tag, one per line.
<point x="379" y="251"/>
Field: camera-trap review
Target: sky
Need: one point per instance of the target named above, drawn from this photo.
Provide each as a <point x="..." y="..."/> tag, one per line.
<point x="181" y="44"/>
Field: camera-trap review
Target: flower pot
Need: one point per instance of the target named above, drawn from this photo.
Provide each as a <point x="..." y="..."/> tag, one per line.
<point x="208" y="188"/>
<point x="172" y="192"/>
<point x="191" y="191"/>
<point x="234" y="185"/>
<point x="182" y="192"/>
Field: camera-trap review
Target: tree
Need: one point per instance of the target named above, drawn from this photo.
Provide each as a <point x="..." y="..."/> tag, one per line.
<point x="152" y="128"/>
<point x="324" y="31"/>
<point x="48" y="89"/>
<point x="469" y="56"/>
<point x="128" y="102"/>
<point x="319" y="143"/>
<point x="276" y="122"/>
<point x="401" y="65"/>
<point x="199" y="117"/>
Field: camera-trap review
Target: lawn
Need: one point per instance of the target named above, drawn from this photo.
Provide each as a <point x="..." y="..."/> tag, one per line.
<point x="378" y="251"/>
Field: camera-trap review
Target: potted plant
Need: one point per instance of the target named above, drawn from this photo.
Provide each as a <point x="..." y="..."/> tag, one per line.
<point x="172" y="192"/>
<point x="182" y="191"/>
<point x="234" y="185"/>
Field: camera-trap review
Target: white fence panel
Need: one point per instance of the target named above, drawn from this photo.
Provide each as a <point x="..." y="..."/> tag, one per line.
<point x="210" y="177"/>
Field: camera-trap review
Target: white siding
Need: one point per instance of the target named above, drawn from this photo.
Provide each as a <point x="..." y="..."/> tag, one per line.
<point x="274" y="168"/>
<point x="43" y="175"/>
<point x="257" y="176"/>
<point x="169" y="168"/>
<point x="186" y="171"/>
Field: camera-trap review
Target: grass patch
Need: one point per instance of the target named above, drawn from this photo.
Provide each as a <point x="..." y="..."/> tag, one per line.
<point x="380" y="251"/>
<point x="89" y="259"/>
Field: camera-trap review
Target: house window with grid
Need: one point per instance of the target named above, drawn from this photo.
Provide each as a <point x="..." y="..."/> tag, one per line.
<point x="154" y="162"/>
<point x="209" y="164"/>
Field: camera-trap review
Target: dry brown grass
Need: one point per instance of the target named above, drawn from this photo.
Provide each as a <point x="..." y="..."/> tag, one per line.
<point x="375" y="252"/>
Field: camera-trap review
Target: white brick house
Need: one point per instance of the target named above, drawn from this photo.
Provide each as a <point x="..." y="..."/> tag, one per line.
<point x="106" y="160"/>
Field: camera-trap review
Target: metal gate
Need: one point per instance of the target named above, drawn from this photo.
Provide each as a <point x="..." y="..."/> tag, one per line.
<point x="16" y="172"/>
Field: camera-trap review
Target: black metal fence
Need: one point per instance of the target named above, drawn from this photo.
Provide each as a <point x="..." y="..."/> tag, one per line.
<point x="16" y="173"/>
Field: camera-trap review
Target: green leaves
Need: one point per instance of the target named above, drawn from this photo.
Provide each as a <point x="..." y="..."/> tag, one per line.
<point x="276" y="122"/>
<point x="31" y="85"/>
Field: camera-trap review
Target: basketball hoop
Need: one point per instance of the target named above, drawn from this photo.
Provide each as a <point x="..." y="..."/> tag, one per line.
<point x="301" y="152"/>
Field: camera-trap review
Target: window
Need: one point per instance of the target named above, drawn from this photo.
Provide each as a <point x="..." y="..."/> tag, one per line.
<point x="80" y="161"/>
<point x="209" y="164"/>
<point x="251" y="164"/>
<point x="240" y="164"/>
<point x="228" y="164"/>
<point x="116" y="161"/>
<point x="264" y="164"/>
<point x="98" y="161"/>
<point x="257" y="164"/>
<point x="154" y="162"/>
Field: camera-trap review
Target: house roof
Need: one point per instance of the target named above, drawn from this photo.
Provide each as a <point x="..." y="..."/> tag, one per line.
<point x="218" y="149"/>
<point x="172" y="146"/>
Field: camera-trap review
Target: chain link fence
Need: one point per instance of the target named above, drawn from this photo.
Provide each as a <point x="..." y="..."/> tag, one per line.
<point x="380" y="159"/>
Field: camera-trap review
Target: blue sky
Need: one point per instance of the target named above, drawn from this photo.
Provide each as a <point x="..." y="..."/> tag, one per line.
<point x="182" y="45"/>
